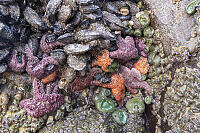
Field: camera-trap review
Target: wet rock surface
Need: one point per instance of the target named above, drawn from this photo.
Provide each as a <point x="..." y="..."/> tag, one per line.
<point x="173" y="22"/>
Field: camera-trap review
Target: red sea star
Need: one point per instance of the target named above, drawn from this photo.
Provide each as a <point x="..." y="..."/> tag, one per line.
<point x="82" y="82"/>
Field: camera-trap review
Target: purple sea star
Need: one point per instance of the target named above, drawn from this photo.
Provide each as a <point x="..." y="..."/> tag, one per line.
<point x="126" y="49"/>
<point x="48" y="47"/>
<point x="141" y="47"/>
<point x="42" y="103"/>
<point x="82" y="82"/>
<point x="15" y="64"/>
<point x="133" y="80"/>
<point x="39" y="69"/>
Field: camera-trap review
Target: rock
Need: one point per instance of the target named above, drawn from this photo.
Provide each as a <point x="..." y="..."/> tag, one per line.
<point x="76" y="48"/>
<point x="174" y="23"/>
<point x="78" y="62"/>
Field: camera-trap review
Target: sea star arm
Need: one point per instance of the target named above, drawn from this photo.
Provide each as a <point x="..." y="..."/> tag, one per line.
<point x="136" y="85"/>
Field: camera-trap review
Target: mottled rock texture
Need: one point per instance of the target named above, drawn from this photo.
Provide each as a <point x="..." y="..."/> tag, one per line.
<point x="173" y="22"/>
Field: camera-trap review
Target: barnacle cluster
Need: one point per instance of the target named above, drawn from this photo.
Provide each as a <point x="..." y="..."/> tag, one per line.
<point x="16" y="120"/>
<point x="181" y="104"/>
<point x="85" y="119"/>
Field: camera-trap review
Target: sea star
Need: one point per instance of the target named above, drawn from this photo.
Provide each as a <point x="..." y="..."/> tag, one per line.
<point x="39" y="69"/>
<point x="17" y="65"/>
<point x="126" y="49"/>
<point x="103" y="60"/>
<point x="133" y="80"/>
<point x="117" y="86"/>
<point x="141" y="65"/>
<point x="82" y="82"/>
<point x="48" y="47"/>
<point x="141" y="47"/>
<point x="42" y="103"/>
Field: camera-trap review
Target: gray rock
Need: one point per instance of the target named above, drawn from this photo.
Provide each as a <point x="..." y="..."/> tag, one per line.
<point x="77" y="62"/>
<point x="172" y="20"/>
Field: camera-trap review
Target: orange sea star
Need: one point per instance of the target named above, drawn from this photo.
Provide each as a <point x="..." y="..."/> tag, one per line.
<point x="141" y="65"/>
<point x="117" y="86"/>
<point x="103" y="60"/>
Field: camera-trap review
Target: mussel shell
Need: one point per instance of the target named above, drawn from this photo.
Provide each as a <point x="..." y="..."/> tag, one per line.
<point x="24" y="34"/>
<point x="4" y="43"/>
<point x="120" y="4"/>
<point x="84" y="23"/>
<point x="6" y="32"/>
<point x="77" y="62"/>
<point x="76" y="48"/>
<point x="112" y="19"/>
<point x="111" y="8"/>
<point x="133" y="8"/>
<point x="87" y="35"/>
<point x="3" y="54"/>
<point x="6" y="2"/>
<point x="50" y="38"/>
<point x="52" y="7"/>
<point x="19" y="57"/>
<point x="14" y="10"/>
<point x="60" y="29"/>
<point x="77" y="18"/>
<point x="3" y="68"/>
<point x="64" y="14"/>
<point x="33" y="45"/>
<point x="85" y="2"/>
<point x="94" y="16"/>
<point x="123" y="17"/>
<point x="33" y="18"/>
<point x="89" y="9"/>
<point x="69" y="27"/>
<point x="66" y="38"/>
<point x="49" y="69"/>
<point x="4" y="10"/>
<point x="59" y="55"/>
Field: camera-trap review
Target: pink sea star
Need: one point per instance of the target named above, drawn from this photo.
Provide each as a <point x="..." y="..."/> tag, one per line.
<point x="141" y="47"/>
<point x="133" y="80"/>
<point x="42" y="103"/>
<point x="37" y="68"/>
<point x="126" y="49"/>
<point x="48" y="47"/>
<point x="15" y="64"/>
